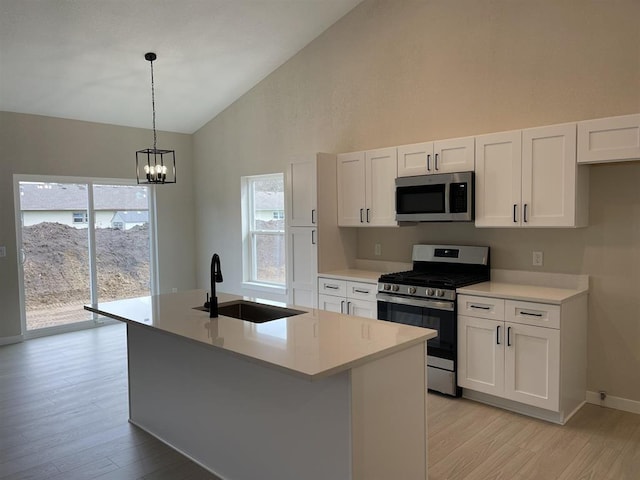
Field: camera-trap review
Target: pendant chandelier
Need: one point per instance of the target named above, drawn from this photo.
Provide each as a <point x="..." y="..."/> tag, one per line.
<point x="155" y="165"/>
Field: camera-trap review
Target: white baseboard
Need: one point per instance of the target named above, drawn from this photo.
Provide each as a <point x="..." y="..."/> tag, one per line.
<point x="619" y="403"/>
<point x="10" y="340"/>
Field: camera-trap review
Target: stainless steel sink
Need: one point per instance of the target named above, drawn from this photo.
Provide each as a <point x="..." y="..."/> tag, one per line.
<point x="254" y="312"/>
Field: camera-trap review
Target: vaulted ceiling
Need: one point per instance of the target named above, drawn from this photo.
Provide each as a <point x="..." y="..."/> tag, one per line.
<point x="84" y="59"/>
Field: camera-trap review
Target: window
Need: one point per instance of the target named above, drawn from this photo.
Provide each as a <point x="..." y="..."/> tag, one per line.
<point x="263" y="227"/>
<point x="80" y="217"/>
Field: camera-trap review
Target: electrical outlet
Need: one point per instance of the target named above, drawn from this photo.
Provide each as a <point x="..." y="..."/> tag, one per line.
<point x="3" y="251"/>
<point x="174" y="290"/>
<point x="537" y="259"/>
<point x="377" y="250"/>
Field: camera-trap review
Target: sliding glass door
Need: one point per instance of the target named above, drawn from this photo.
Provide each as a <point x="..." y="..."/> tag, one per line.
<point x="81" y="242"/>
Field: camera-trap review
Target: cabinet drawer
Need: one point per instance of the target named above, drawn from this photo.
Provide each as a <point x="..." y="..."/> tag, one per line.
<point x="482" y="307"/>
<point x="536" y="314"/>
<point x="331" y="286"/>
<point x="363" y="291"/>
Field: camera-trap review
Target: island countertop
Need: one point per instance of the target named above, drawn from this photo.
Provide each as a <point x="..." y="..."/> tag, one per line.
<point x="313" y="345"/>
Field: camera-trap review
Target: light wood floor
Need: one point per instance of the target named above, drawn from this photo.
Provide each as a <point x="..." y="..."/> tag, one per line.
<point x="63" y="415"/>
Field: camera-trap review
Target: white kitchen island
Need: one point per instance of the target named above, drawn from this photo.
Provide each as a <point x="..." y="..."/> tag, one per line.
<point x="314" y="396"/>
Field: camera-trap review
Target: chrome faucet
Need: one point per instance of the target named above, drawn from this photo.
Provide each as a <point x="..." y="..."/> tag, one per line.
<point x="216" y="277"/>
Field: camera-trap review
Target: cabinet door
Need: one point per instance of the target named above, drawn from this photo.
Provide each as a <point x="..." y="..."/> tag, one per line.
<point x="498" y="179"/>
<point x="331" y="303"/>
<point x="481" y="354"/>
<point x="415" y="159"/>
<point x="609" y="139"/>
<point x="302" y="269"/>
<point x="532" y="365"/>
<point x="301" y="183"/>
<point x="549" y="176"/>
<point x="381" y="171"/>
<point x="351" y="189"/>
<point x="454" y="155"/>
<point x="362" y="308"/>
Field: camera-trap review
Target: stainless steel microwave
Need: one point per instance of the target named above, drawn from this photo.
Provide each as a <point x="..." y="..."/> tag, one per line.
<point x="445" y="197"/>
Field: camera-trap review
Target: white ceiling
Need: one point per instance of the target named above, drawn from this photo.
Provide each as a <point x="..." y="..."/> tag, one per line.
<point x="84" y="59"/>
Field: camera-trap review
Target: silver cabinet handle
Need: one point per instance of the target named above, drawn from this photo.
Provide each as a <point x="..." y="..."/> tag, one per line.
<point x="428" y="164"/>
<point x="331" y="287"/>
<point x="358" y="290"/>
<point x="342" y="306"/>
<point x="508" y="336"/>
<point x="498" y="335"/>
<point x="313" y="237"/>
<point x="361" y="212"/>
<point x="368" y="215"/>
<point x="349" y="308"/>
<point x="313" y="216"/>
<point x="524" y="215"/>
<point x="515" y="207"/>
<point x="436" y="162"/>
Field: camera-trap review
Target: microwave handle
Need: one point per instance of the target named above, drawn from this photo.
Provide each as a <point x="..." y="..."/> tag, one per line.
<point x="447" y="197"/>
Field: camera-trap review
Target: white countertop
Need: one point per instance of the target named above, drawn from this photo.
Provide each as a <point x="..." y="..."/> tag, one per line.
<point x="353" y="275"/>
<point x="312" y="345"/>
<point x="529" y="293"/>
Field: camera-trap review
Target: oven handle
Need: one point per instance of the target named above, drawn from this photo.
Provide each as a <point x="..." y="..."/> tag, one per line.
<point x="415" y="302"/>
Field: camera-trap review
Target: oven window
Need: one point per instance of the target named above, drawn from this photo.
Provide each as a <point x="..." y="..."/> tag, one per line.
<point x="420" y="199"/>
<point x="443" y="321"/>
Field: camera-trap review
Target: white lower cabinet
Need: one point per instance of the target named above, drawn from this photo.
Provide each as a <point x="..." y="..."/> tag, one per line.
<point x="302" y="265"/>
<point x="511" y="351"/>
<point x="345" y="296"/>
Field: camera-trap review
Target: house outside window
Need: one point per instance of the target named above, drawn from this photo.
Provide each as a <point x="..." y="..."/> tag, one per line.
<point x="263" y="227"/>
<point x="80" y="217"/>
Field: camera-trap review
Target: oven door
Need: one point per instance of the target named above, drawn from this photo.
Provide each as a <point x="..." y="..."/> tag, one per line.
<point x="441" y="350"/>
<point x="437" y="315"/>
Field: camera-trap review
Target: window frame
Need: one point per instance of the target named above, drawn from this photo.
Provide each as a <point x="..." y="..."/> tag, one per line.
<point x="90" y="182"/>
<point x="250" y="235"/>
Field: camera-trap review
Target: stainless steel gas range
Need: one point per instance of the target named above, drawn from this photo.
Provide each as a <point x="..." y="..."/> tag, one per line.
<point x="426" y="297"/>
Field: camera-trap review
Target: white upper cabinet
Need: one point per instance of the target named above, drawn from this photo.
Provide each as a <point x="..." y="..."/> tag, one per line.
<point x="454" y="155"/>
<point x="442" y="156"/>
<point x="351" y="189"/>
<point x="610" y="139"/>
<point x="366" y="188"/>
<point x="549" y="172"/>
<point x="530" y="178"/>
<point x="415" y="159"/>
<point x="301" y="183"/>
<point x="498" y="179"/>
<point x="380" y="174"/>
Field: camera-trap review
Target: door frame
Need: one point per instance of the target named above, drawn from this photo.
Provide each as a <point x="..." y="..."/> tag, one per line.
<point x="96" y="321"/>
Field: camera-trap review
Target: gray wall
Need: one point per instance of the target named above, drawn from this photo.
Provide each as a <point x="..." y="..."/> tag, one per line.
<point x="394" y="72"/>
<point x="36" y="145"/>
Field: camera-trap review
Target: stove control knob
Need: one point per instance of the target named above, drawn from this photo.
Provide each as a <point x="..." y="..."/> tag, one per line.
<point x="412" y="290"/>
<point x="430" y="292"/>
<point x="387" y="286"/>
<point x="440" y="293"/>
<point x="395" y="288"/>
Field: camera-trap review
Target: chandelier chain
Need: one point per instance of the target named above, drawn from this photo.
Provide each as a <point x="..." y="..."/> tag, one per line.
<point x="153" y="106"/>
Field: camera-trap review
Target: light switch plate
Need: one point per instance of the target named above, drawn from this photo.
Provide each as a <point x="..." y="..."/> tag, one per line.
<point x="3" y="251"/>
